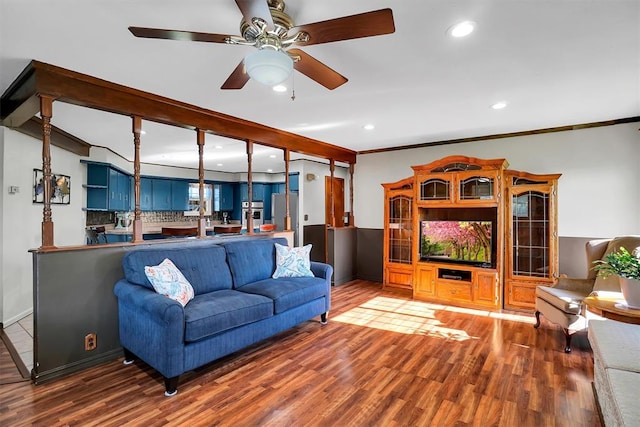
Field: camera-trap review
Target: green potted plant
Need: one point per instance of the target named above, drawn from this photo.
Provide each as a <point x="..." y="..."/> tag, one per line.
<point x="626" y="266"/>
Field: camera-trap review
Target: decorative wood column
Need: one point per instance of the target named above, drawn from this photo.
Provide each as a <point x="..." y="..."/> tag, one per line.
<point x="46" y="111"/>
<point x="287" y="215"/>
<point x="249" y="187"/>
<point x="202" y="225"/>
<point x="332" y="215"/>
<point x="352" y="222"/>
<point x="137" y="220"/>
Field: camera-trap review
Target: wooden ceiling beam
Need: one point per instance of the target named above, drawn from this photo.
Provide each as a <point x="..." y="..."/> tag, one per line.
<point x="38" y="78"/>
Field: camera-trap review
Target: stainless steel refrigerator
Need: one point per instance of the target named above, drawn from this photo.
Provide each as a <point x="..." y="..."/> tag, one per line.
<point x="279" y="210"/>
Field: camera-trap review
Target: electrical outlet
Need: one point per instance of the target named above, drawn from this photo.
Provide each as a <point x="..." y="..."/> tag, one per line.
<point x="90" y="342"/>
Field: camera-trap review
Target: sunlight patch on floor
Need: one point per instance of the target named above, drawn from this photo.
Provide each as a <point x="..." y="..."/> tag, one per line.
<point x="416" y="317"/>
<point x="402" y="316"/>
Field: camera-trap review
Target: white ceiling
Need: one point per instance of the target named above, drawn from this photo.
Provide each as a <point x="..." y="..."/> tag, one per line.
<point x="555" y="62"/>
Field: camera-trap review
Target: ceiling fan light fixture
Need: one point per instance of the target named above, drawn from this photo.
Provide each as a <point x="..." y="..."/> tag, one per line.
<point x="279" y="88"/>
<point x="268" y="66"/>
<point x="462" y="29"/>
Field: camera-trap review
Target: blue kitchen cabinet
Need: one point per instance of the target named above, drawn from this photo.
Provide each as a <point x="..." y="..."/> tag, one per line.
<point x="226" y="197"/>
<point x="146" y="194"/>
<point x="119" y="191"/>
<point x="161" y="200"/>
<point x="244" y="192"/>
<point x="266" y="197"/>
<point x="257" y="192"/>
<point x="294" y="184"/>
<point x="179" y="195"/>
<point x="97" y="187"/>
<point x="119" y="238"/>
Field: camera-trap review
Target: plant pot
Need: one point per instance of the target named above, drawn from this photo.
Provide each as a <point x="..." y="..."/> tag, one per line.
<point x="631" y="291"/>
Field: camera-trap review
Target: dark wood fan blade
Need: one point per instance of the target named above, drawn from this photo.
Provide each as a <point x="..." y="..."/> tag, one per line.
<point x="367" y="24"/>
<point x="237" y="79"/>
<point x="316" y="70"/>
<point x="157" y="33"/>
<point x="255" y="9"/>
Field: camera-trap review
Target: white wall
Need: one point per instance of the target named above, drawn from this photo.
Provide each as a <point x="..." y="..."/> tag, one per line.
<point x="598" y="193"/>
<point x="22" y="219"/>
<point x="2" y="193"/>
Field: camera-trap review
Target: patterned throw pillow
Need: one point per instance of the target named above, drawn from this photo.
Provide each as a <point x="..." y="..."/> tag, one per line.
<point x="292" y="262"/>
<point x="167" y="280"/>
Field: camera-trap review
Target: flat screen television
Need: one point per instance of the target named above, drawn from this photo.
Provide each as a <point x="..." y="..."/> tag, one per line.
<point x="461" y="242"/>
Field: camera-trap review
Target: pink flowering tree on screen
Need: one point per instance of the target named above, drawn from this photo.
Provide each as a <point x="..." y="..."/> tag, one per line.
<point x="463" y="240"/>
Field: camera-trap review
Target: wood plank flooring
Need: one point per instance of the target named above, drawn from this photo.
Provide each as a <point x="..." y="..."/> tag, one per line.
<point x="383" y="360"/>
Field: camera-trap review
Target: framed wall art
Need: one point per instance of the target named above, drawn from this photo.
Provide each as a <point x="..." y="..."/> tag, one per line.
<point x="60" y="188"/>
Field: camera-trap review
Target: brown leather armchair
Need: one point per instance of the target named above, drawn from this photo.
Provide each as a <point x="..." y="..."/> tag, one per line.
<point x="562" y="303"/>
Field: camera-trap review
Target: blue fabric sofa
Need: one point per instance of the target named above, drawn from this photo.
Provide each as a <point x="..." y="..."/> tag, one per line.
<point x="236" y="304"/>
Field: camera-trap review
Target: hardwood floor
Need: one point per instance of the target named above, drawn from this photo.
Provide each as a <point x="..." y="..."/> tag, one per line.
<point x="383" y="360"/>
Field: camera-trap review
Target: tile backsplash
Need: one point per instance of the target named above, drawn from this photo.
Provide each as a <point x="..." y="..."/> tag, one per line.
<point x="100" y="218"/>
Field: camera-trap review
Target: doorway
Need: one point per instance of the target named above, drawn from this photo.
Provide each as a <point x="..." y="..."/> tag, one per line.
<point x="334" y="201"/>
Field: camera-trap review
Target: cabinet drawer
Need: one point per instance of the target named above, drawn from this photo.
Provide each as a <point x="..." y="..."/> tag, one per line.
<point x="450" y="290"/>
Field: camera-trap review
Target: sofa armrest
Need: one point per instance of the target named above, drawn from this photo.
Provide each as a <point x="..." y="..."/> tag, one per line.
<point x="324" y="271"/>
<point x="320" y="269"/>
<point x="572" y="284"/>
<point x="151" y="326"/>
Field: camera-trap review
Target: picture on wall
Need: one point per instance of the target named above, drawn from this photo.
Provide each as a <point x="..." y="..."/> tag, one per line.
<point x="60" y="188"/>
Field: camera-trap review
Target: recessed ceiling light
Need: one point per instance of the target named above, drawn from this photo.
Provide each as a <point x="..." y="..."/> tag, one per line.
<point x="499" y="105"/>
<point x="143" y="132"/>
<point x="269" y="170"/>
<point x="273" y="156"/>
<point x="218" y="147"/>
<point x="219" y="164"/>
<point x="369" y="126"/>
<point x="461" y="29"/>
<point x="280" y="88"/>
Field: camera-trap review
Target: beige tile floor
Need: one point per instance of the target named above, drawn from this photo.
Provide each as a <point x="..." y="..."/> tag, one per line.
<point x="20" y="334"/>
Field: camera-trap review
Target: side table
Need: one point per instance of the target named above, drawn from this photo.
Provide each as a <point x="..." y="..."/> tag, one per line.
<point x="612" y="308"/>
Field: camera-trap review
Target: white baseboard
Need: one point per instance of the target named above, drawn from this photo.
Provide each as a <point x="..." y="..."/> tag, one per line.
<point x="16" y="318"/>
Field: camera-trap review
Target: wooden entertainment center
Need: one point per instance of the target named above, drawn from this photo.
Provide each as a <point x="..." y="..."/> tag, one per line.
<point x="496" y="233"/>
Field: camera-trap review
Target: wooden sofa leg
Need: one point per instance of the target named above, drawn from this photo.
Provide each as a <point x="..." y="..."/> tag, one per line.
<point x="323" y="318"/>
<point x="171" y="386"/>
<point x="567" y="336"/>
<point x="129" y="357"/>
<point x="537" y="325"/>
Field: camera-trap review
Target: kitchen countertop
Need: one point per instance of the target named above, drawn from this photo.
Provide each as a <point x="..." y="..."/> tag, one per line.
<point x="156" y="228"/>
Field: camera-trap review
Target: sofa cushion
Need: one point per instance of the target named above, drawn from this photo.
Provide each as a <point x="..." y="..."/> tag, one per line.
<point x="292" y="262"/>
<point x="566" y="300"/>
<point x="615" y="344"/>
<point x="214" y="312"/>
<point x="167" y="280"/>
<point x="204" y="267"/>
<point x="624" y="393"/>
<point x="252" y="260"/>
<point x="611" y="283"/>
<point x="287" y="293"/>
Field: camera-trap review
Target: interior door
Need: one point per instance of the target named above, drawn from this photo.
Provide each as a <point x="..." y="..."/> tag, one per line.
<point x="334" y="198"/>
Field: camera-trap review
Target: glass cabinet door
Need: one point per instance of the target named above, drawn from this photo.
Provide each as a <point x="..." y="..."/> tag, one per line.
<point x="435" y="189"/>
<point x="400" y="229"/>
<point x="531" y="228"/>
<point x="476" y="188"/>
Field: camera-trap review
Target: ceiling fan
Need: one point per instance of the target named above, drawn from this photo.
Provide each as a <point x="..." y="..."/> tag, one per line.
<point x="267" y="27"/>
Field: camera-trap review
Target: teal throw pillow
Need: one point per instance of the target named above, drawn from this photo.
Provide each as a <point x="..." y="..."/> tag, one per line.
<point x="292" y="262"/>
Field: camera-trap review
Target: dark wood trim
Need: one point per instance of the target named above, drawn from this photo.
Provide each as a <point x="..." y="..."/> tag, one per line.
<point x="506" y="135"/>
<point x="59" y="138"/>
<point x="17" y="106"/>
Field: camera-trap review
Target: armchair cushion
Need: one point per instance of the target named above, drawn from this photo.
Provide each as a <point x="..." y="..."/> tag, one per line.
<point x="569" y="301"/>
